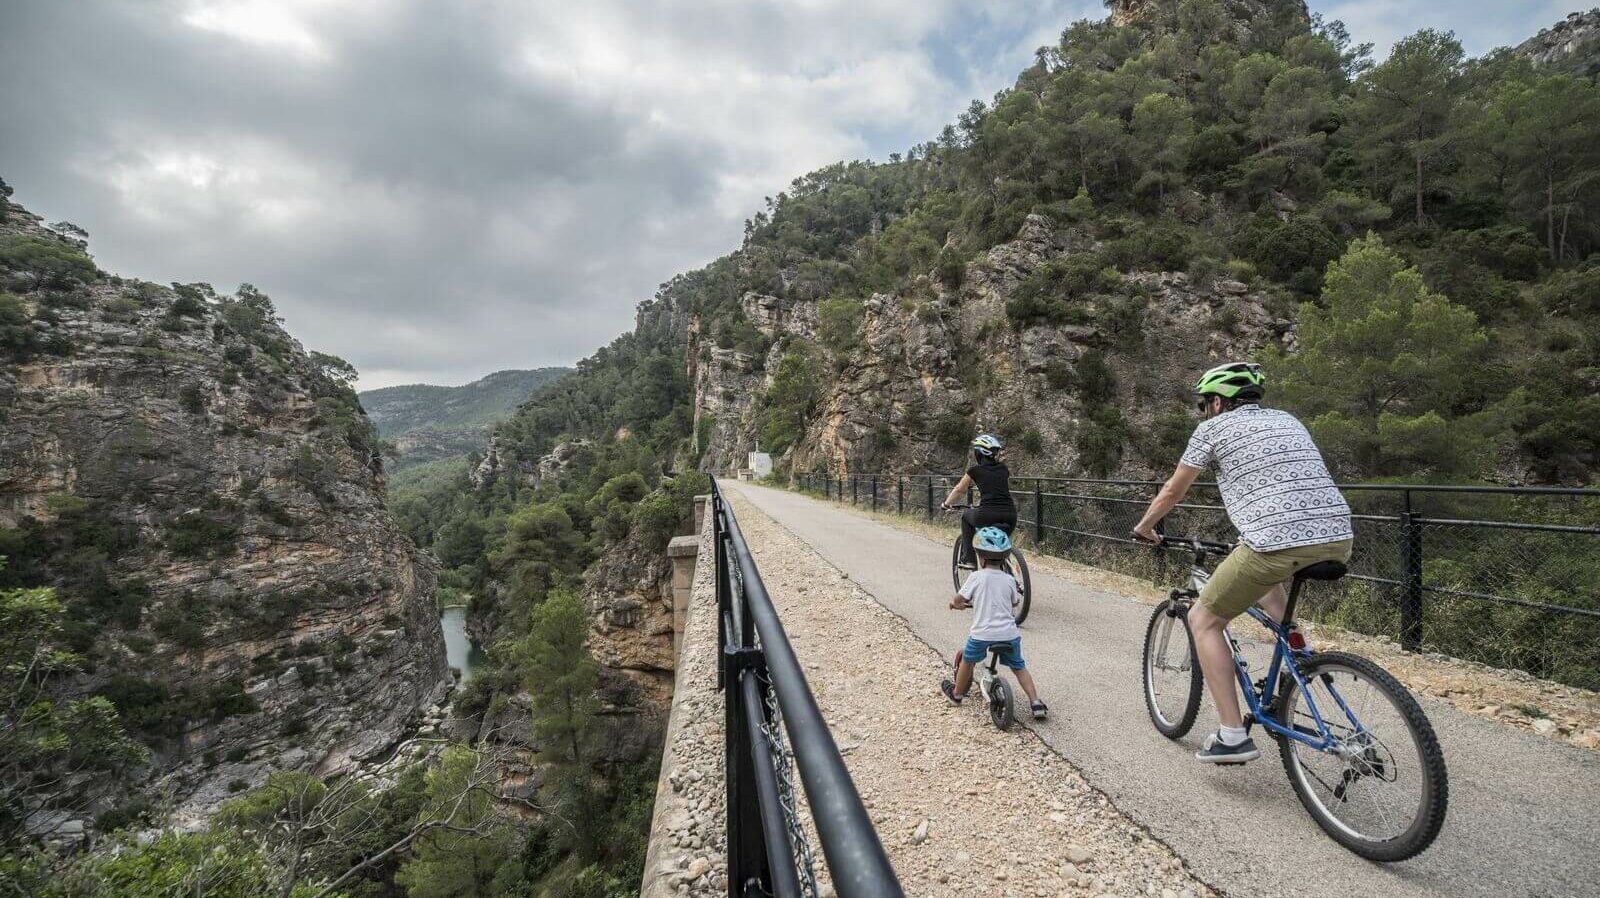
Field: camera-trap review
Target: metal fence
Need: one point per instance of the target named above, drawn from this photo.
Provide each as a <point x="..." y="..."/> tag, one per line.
<point x="774" y="728"/>
<point x="1503" y="575"/>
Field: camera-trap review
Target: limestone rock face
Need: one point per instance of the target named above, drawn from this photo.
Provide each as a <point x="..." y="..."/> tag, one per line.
<point x="1572" y="44"/>
<point x="934" y="364"/>
<point x="223" y="487"/>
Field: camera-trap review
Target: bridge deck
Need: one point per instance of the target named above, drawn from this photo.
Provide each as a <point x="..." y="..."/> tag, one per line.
<point x="1524" y="810"/>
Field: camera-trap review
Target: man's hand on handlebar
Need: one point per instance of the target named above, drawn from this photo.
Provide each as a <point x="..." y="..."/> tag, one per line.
<point x="1147" y="534"/>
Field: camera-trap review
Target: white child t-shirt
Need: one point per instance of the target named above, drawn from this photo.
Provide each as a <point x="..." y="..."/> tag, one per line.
<point x="991" y="592"/>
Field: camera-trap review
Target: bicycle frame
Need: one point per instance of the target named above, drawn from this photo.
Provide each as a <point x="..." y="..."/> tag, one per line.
<point x="1284" y="657"/>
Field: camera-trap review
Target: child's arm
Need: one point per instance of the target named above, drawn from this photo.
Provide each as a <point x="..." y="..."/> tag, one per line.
<point x="959" y="602"/>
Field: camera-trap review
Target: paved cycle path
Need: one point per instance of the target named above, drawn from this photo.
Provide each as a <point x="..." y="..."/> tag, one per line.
<point x="1524" y="816"/>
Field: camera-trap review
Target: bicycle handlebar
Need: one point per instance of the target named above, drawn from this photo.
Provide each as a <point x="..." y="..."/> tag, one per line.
<point x="1191" y="543"/>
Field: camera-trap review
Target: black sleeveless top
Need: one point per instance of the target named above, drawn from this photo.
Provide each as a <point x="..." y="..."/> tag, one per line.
<point x="994" y="485"/>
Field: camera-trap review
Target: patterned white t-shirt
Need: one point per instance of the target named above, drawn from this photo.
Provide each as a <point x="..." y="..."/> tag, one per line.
<point x="1274" y="483"/>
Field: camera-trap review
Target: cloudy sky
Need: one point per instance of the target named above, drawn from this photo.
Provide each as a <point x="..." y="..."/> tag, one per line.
<point x="436" y="189"/>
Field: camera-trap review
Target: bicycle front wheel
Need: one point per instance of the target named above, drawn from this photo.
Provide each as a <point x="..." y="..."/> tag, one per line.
<point x="1171" y="672"/>
<point x="1381" y="789"/>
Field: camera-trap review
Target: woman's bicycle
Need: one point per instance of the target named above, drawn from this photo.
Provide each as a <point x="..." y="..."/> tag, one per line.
<point x="1359" y="751"/>
<point x="996" y="692"/>
<point x="1015" y="565"/>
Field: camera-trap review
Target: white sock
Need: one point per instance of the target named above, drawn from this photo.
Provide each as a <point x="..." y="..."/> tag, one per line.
<point x="1232" y="735"/>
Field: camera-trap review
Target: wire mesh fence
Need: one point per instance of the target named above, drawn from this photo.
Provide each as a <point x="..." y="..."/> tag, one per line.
<point x="1506" y="576"/>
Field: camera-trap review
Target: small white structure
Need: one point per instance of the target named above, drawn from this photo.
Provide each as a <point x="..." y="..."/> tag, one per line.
<point x="760" y="465"/>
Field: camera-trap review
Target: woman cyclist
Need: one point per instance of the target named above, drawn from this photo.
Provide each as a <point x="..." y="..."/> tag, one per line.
<point x="993" y="480"/>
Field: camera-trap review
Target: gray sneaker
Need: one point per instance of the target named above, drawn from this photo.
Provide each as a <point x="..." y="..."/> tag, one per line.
<point x="1214" y="751"/>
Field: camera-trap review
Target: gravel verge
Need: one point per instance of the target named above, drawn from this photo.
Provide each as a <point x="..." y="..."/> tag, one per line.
<point x="959" y="806"/>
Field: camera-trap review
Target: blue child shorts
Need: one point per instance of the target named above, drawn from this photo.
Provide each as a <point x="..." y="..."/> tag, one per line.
<point x="978" y="649"/>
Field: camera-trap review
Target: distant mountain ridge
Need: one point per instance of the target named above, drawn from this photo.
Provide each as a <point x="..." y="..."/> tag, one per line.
<point x="428" y="422"/>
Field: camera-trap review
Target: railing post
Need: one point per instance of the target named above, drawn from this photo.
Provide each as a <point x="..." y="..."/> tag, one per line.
<point x="853" y="492"/>
<point x="747" y="851"/>
<point x="1038" y="513"/>
<point x="874" y="484"/>
<point x="930" y="497"/>
<point x="1410" y="578"/>
<point x="899" y="495"/>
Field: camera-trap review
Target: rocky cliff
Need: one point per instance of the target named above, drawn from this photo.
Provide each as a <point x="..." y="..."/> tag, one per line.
<point x="934" y="363"/>
<point x="1572" y="44"/>
<point x="207" y="499"/>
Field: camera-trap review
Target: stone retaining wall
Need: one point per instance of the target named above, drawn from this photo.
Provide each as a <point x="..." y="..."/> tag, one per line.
<point x="688" y="839"/>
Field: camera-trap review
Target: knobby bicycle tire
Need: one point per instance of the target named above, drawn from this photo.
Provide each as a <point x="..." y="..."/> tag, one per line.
<point x="1436" y="786"/>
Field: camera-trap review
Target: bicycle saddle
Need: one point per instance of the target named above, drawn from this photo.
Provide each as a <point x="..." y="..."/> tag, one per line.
<point x="1322" y="570"/>
<point x="1000" y="651"/>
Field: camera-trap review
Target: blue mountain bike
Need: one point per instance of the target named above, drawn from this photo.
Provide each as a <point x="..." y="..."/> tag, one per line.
<point x="1359" y="751"/>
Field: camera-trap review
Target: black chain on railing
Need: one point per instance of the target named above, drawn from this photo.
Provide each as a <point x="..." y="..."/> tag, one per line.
<point x="773" y="729"/>
<point x="1509" y="576"/>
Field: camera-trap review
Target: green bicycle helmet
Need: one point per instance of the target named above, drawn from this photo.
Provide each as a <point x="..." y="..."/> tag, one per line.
<point x="987" y="445"/>
<point x="1235" y="380"/>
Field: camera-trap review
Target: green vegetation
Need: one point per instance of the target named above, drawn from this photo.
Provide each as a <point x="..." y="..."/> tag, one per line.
<point x="787" y="406"/>
<point x="47" y="739"/>
<point x="1384" y="369"/>
<point x="46" y="264"/>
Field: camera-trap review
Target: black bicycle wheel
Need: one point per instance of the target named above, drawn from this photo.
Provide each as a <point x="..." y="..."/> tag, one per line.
<point x="956" y="573"/>
<point x="1001" y="707"/>
<point x="1025" y="583"/>
<point x="1171" y="671"/>
<point x="1384" y="790"/>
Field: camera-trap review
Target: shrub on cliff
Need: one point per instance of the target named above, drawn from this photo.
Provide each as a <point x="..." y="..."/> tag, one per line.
<point x="46" y="263"/>
<point x="17" y="338"/>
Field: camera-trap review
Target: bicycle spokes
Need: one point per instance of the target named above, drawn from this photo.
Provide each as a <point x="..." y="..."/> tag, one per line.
<point x="1363" y="785"/>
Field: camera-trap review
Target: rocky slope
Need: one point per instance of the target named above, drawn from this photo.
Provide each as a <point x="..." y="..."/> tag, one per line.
<point x="1572" y="44"/>
<point x="427" y="422"/>
<point x="207" y="499"/>
<point x="935" y="363"/>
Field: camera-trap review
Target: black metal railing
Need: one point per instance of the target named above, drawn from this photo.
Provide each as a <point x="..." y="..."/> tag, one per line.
<point x="1509" y="576"/>
<point x="773" y="728"/>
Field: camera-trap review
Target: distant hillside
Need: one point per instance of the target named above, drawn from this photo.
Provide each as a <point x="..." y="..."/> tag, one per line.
<point x="428" y="422"/>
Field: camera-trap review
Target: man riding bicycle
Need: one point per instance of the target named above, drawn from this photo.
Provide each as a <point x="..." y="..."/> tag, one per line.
<point x="1279" y="495"/>
<point x="995" y="507"/>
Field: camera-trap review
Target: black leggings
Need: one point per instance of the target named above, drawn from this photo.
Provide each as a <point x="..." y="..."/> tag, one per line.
<point x="974" y="519"/>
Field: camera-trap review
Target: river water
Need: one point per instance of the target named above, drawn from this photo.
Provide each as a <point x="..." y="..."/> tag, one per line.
<point x="461" y="651"/>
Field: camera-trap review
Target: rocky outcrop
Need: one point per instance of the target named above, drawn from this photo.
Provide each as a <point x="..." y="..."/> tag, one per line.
<point x="1245" y="14"/>
<point x="1573" y="44"/>
<point x="935" y="363"/>
<point x="208" y="500"/>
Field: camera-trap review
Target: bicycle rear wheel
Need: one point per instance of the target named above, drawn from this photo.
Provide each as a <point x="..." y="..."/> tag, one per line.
<point x="1171" y="672"/>
<point x="1002" y="707"/>
<point x="1019" y="569"/>
<point x="1382" y="790"/>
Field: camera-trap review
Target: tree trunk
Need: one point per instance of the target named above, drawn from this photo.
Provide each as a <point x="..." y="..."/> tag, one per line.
<point x="1419" y="187"/>
<point x="1550" y="215"/>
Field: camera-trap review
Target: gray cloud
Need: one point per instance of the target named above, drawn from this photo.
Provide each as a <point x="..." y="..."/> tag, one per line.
<point x="436" y="189"/>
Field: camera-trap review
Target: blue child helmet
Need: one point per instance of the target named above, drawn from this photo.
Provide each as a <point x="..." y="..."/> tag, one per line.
<point x="992" y="542"/>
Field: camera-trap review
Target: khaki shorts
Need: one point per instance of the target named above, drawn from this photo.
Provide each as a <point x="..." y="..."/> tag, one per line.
<point x="1246" y="575"/>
